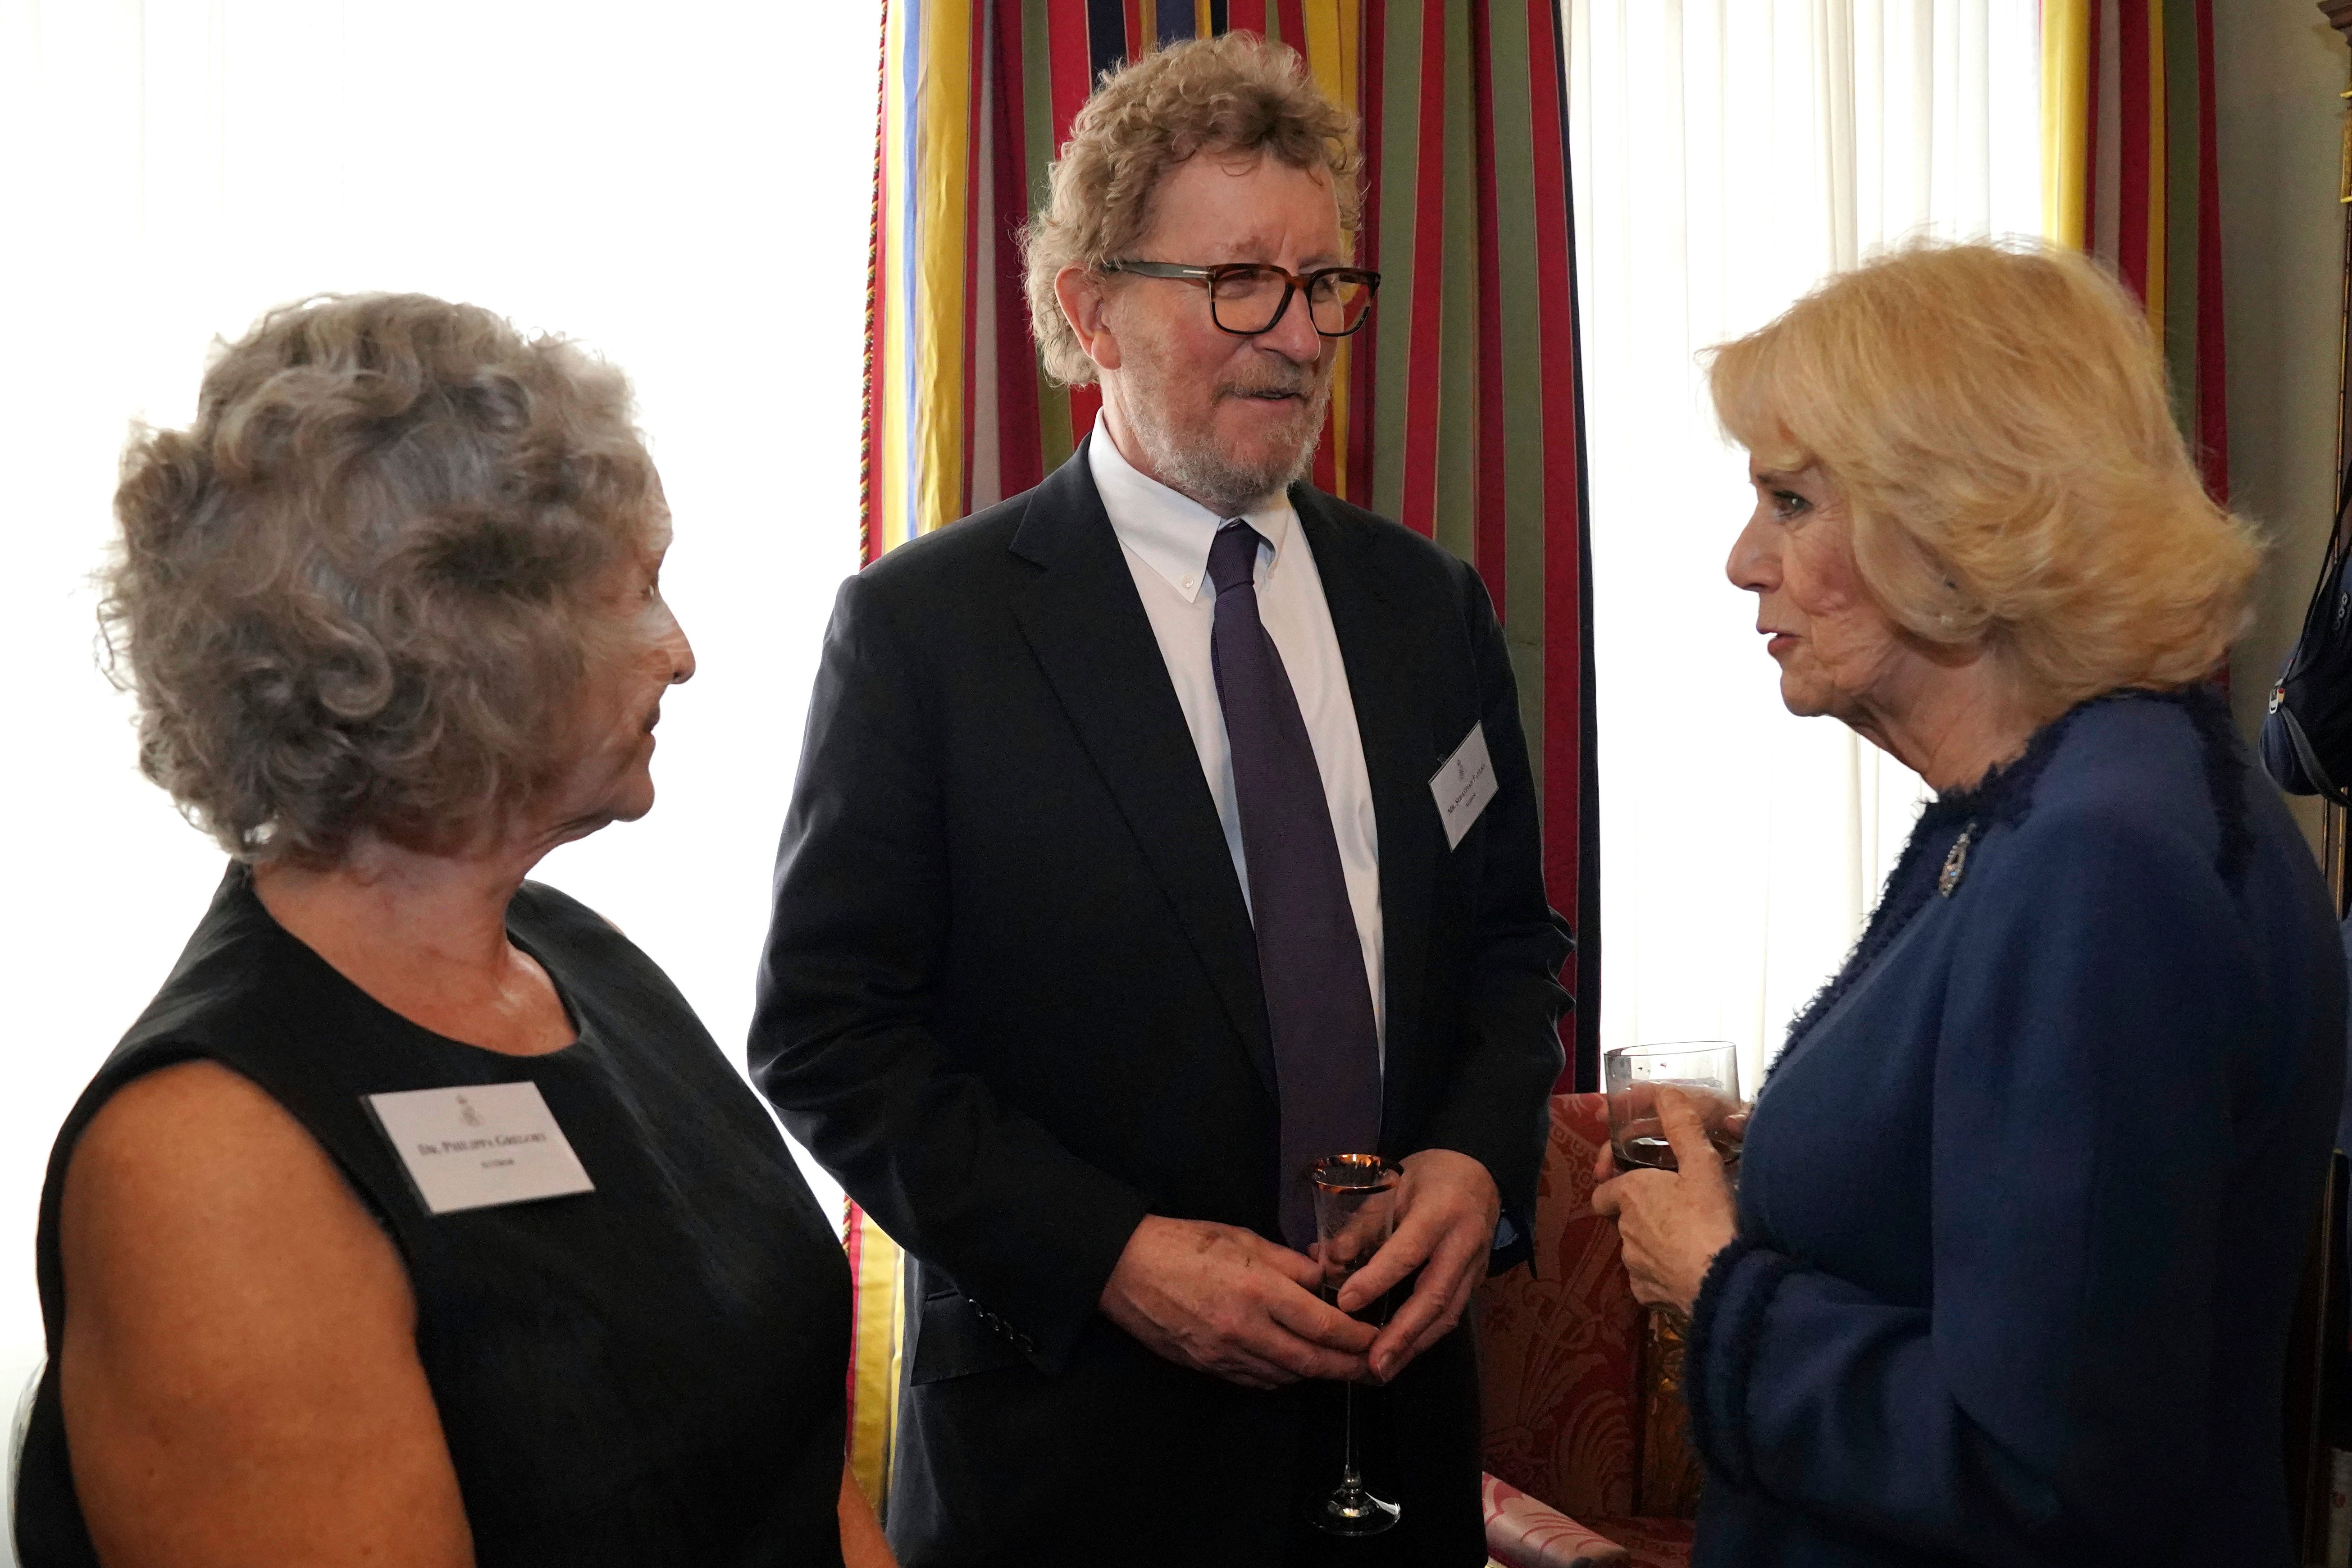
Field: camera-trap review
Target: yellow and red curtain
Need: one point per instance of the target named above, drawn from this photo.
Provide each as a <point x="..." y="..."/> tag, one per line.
<point x="2129" y="174"/>
<point x="1456" y="411"/>
<point x="876" y="1345"/>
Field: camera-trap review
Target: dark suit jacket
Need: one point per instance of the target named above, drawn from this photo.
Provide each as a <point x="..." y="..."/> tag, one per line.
<point x="1010" y="999"/>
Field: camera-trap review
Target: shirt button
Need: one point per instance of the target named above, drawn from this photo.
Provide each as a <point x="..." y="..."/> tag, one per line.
<point x="1188" y="583"/>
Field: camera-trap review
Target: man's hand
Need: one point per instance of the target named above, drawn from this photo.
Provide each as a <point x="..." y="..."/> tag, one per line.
<point x="1227" y="1301"/>
<point x="1671" y="1223"/>
<point x="1446" y="1210"/>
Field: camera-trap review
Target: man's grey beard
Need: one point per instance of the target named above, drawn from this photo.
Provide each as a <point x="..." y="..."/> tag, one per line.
<point x="1198" y="469"/>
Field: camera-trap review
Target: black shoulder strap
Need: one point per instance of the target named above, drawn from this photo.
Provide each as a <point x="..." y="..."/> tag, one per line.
<point x="2309" y="757"/>
<point x="2316" y="616"/>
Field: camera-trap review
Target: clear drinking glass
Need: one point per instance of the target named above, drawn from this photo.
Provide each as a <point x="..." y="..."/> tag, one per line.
<point x="1355" y="1210"/>
<point x="1706" y="1071"/>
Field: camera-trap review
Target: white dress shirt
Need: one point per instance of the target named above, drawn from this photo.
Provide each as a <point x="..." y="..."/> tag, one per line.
<point x="1166" y="536"/>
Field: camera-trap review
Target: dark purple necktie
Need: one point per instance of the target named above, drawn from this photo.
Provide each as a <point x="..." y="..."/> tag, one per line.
<point x="1310" y="962"/>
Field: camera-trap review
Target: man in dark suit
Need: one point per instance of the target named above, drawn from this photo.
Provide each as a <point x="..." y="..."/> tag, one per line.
<point x="1157" y="831"/>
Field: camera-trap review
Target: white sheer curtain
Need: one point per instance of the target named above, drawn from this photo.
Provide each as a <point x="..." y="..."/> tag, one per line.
<point x="683" y="187"/>
<point x="1728" y="155"/>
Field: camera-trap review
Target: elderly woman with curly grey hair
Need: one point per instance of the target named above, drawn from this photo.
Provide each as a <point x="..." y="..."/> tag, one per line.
<point x="2007" y="1276"/>
<point x="417" y="1221"/>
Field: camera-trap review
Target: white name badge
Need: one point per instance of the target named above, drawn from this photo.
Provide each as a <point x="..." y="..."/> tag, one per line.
<point x="479" y="1144"/>
<point x="1464" y="785"/>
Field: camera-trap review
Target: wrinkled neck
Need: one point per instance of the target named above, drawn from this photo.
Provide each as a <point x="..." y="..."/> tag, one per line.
<point x="1952" y="721"/>
<point x="385" y="904"/>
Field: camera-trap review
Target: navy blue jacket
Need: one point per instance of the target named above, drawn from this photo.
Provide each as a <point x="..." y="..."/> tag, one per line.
<point x="2024" y="1203"/>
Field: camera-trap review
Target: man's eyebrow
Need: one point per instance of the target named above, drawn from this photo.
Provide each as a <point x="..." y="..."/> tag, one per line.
<point x="1258" y="247"/>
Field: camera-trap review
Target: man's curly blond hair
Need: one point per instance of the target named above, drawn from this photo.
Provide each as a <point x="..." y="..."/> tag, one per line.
<point x="1234" y="95"/>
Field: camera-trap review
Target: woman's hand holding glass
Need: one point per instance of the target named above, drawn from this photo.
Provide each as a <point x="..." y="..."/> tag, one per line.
<point x="1636" y="1125"/>
<point x="1673" y="1222"/>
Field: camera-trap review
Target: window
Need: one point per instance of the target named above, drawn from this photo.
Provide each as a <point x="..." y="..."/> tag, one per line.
<point x="1726" y="157"/>
<point x="671" y="184"/>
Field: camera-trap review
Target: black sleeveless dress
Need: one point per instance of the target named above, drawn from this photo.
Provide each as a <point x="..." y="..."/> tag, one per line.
<point x="649" y="1374"/>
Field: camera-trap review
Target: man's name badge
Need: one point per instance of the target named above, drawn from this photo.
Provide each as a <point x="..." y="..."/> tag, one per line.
<point x="479" y="1144"/>
<point x="1464" y="785"/>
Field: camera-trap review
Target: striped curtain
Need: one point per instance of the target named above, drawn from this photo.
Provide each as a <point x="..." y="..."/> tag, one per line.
<point x="2129" y="174"/>
<point x="1456" y="411"/>
<point x="876" y="1346"/>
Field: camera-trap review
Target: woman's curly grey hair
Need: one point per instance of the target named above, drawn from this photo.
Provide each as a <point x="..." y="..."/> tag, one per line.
<point x="359" y="593"/>
<point x="1233" y="95"/>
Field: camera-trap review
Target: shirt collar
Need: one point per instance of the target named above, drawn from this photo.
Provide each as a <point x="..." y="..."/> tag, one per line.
<point x="1170" y="531"/>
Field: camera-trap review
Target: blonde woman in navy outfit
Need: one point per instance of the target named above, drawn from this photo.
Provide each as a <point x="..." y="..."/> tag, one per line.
<point x="392" y="611"/>
<point x="2023" y="1204"/>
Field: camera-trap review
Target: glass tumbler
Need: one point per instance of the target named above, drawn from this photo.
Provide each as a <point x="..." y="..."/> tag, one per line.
<point x="1705" y="1070"/>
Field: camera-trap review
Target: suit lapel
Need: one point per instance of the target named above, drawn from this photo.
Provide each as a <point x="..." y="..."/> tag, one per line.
<point x="1385" y="683"/>
<point x="1090" y="633"/>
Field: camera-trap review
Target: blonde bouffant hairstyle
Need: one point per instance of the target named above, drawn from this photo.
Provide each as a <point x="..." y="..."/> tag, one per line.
<point x="360" y="592"/>
<point x="1234" y="95"/>
<point x="1997" y="420"/>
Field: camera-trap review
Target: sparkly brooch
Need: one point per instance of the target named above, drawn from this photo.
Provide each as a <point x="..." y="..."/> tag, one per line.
<point x="1955" y="864"/>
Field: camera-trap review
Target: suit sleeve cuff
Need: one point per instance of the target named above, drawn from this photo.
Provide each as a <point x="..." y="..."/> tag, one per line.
<point x="1052" y="1313"/>
<point x="1727" y="1328"/>
<point x="1513" y="1244"/>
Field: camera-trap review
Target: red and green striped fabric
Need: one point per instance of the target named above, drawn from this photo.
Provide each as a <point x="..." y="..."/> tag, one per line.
<point x="1456" y="411"/>
<point x="2130" y="174"/>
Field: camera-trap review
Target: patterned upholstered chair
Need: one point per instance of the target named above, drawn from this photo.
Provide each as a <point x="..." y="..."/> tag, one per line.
<point x="1588" y="1460"/>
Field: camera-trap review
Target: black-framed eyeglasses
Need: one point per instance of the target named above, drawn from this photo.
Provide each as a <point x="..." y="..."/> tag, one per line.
<point x="1246" y="298"/>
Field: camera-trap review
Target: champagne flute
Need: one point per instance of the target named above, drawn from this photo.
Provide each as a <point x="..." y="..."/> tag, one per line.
<point x="1355" y="1210"/>
<point x="1708" y="1071"/>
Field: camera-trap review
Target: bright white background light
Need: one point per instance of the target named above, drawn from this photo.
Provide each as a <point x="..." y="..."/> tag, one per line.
<point x="683" y="187"/>
<point x="1726" y="159"/>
